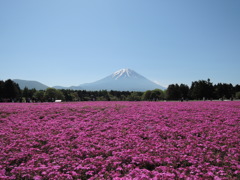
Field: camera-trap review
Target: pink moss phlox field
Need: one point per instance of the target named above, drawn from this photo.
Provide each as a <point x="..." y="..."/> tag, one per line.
<point x="120" y="140"/>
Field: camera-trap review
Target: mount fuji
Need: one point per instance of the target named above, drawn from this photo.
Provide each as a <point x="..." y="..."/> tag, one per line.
<point x="121" y="80"/>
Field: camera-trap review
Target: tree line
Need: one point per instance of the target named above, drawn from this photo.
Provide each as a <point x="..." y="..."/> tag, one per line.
<point x="199" y="90"/>
<point x="203" y="90"/>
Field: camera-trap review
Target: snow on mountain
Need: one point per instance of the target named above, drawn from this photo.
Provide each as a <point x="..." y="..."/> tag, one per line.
<point x="125" y="73"/>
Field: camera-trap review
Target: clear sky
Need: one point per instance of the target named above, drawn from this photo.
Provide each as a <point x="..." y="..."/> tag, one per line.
<point x="61" y="42"/>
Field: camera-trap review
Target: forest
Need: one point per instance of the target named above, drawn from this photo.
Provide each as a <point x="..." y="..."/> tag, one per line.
<point x="199" y="90"/>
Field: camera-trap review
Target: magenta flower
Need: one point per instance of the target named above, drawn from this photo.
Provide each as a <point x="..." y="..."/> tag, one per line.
<point x="120" y="140"/>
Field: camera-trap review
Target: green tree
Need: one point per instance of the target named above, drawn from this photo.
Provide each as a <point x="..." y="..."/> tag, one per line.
<point x="11" y="90"/>
<point x="237" y="88"/>
<point x="74" y="96"/>
<point x="105" y="95"/>
<point x="1" y="90"/>
<point x="25" y="92"/>
<point x="184" y="91"/>
<point x="51" y="94"/>
<point x="165" y="94"/>
<point x="202" y="89"/>
<point x="59" y="95"/>
<point x="122" y="97"/>
<point x="147" y="95"/>
<point x="173" y="92"/>
<point x="238" y="95"/>
<point x="157" y="94"/>
<point x="224" y="91"/>
<point x="39" y="95"/>
<point x="135" y="96"/>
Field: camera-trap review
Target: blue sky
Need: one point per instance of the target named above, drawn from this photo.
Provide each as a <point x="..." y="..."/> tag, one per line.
<point x="60" y="42"/>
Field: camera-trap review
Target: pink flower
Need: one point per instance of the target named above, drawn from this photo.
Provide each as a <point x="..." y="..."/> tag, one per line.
<point x="120" y="140"/>
<point x="37" y="177"/>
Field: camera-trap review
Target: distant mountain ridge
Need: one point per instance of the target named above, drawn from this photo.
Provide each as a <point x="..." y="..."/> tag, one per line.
<point x="121" y="80"/>
<point x="30" y="84"/>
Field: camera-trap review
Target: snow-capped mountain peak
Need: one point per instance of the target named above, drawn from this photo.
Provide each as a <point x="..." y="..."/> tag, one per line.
<point x="121" y="80"/>
<point x="125" y="73"/>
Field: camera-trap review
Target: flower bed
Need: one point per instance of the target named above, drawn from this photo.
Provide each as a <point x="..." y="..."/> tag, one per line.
<point x="120" y="140"/>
